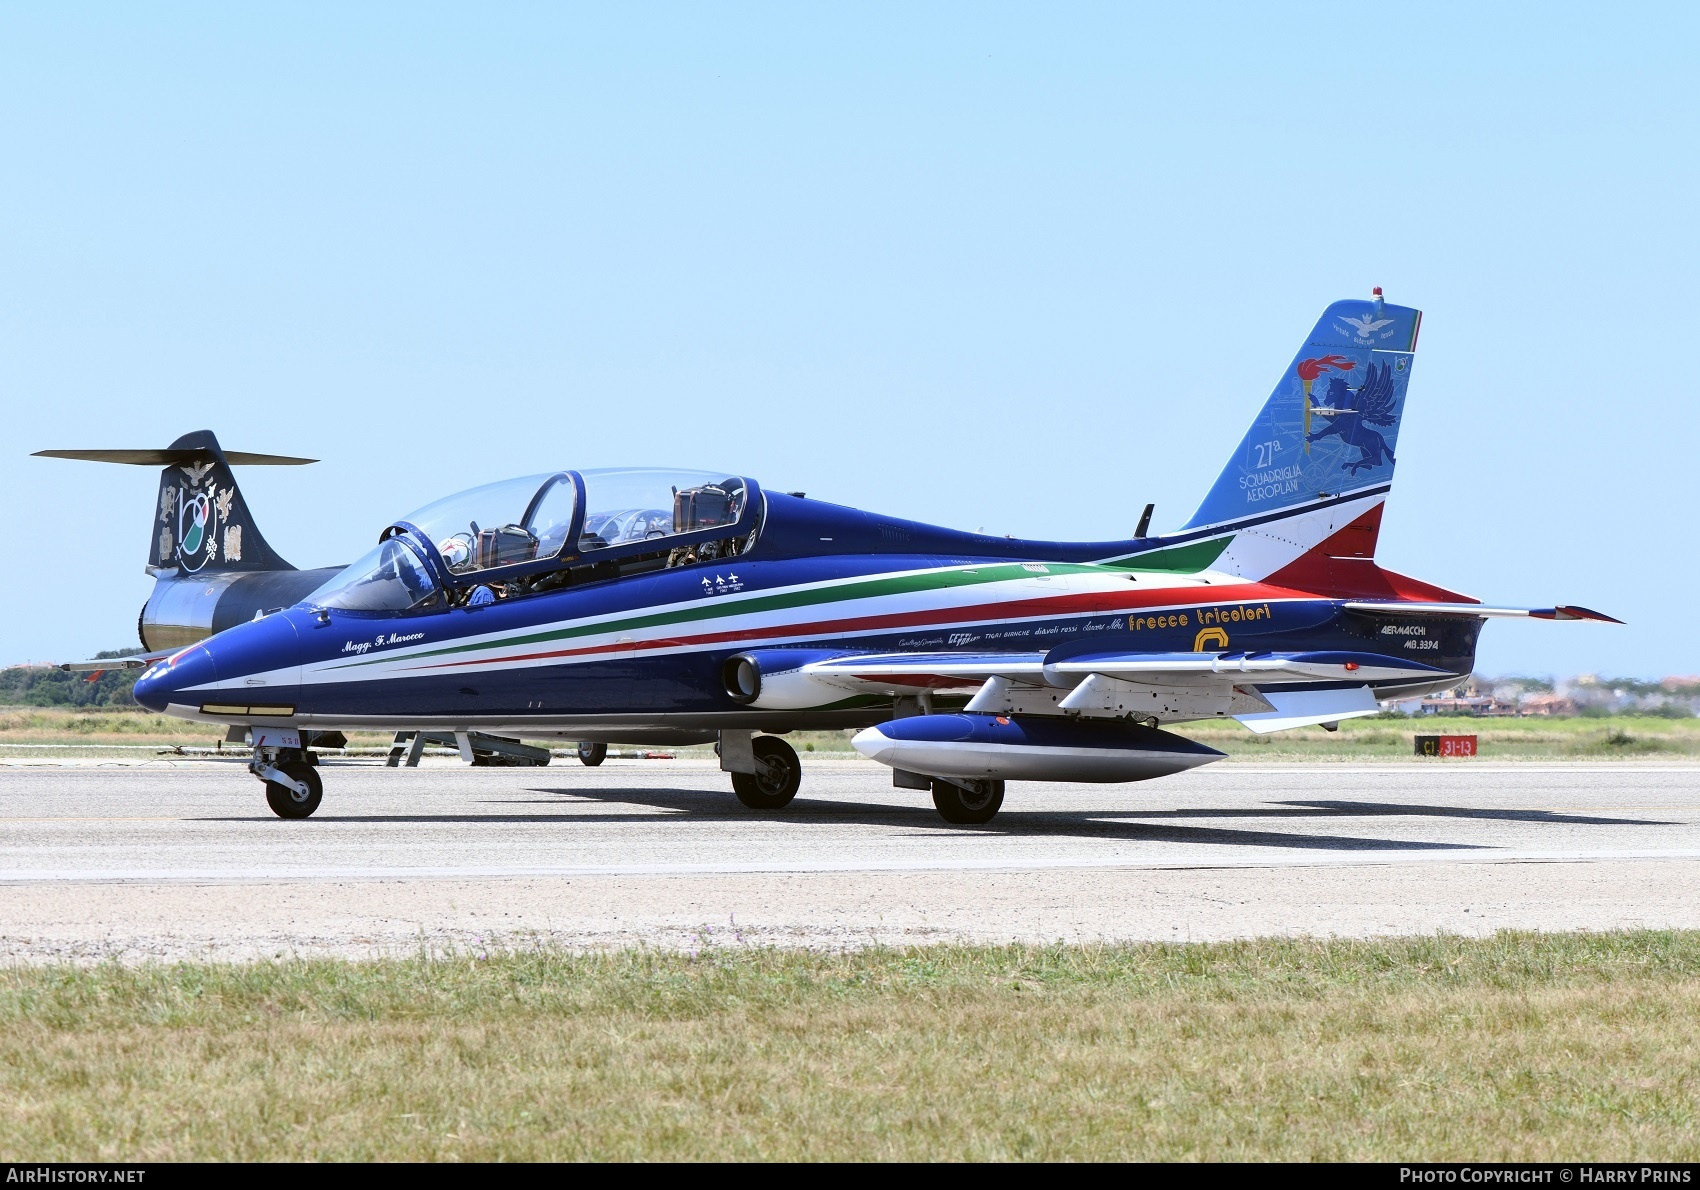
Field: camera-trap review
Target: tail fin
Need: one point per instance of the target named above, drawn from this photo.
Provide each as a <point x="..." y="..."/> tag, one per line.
<point x="201" y="522"/>
<point x="1317" y="464"/>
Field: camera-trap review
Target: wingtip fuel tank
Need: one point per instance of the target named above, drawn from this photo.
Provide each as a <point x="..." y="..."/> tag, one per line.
<point x="1017" y="748"/>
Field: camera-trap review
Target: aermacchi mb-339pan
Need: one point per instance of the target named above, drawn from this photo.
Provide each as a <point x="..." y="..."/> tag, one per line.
<point x="658" y="605"/>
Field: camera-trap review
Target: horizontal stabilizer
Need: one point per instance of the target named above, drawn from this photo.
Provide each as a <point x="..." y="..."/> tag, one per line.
<point x="170" y="457"/>
<point x="1561" y="612"/>
<point x="1302" y="708"/>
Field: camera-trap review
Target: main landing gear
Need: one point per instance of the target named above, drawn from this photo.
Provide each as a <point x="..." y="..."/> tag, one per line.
<point x="590" y="755"/>
<point x="765" y="770"/>
<point x="967" y="802"/>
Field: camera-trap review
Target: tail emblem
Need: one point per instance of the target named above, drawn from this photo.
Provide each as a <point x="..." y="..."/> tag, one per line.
<point x="1351" y="413"/>
<point x="200" y="512"/>
<point x="1309" y="370"/>
<point x="197" y="535"/>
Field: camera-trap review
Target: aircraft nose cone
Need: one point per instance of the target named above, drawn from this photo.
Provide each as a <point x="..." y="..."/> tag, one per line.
<point x="163" y="682"/>
<point x="873" y="743"/>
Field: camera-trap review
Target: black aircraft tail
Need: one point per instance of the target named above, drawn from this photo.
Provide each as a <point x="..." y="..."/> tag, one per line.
<point x="201" y="523"/>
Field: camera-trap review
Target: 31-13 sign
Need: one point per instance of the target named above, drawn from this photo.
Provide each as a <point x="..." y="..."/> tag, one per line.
<point x="1446" y="745"/>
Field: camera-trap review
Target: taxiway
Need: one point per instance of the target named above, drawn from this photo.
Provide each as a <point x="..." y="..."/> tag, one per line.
<point x="184" y="860"/>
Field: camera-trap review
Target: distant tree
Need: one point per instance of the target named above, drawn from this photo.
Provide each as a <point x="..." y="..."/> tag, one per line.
<point x="45" y="686"/>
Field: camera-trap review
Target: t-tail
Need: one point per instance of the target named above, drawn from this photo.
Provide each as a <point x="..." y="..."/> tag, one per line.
<point x="213" y="568"/>
<point x="201" y="522"/>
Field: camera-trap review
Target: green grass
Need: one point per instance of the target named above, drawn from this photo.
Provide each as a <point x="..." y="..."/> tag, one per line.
<point x="1518" y="1047"/>
<point x="1634" y="737"/>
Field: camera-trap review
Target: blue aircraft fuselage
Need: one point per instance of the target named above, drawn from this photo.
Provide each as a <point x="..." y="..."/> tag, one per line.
<point x="651" y="649"/>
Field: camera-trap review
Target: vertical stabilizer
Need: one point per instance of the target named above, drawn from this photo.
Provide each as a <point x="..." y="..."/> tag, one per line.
<point x="1317" y="463"/>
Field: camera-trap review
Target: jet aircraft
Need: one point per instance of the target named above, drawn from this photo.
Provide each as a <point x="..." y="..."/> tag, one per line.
<point x="652" y="605"/>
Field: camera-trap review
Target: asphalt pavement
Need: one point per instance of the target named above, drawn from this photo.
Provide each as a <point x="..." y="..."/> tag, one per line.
<point x="173" y="860"/>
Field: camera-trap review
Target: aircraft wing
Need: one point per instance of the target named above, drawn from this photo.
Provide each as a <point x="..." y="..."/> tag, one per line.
<point x="934" y="670"/>
<point x="945" y="670"/>
<point x="1263" y="691"/>
<point x="100" y="665"/>
<point x="1561" y="612"/>
<point x="1267" y="667"/>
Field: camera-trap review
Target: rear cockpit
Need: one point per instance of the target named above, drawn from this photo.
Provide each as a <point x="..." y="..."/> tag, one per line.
<point x="544" y="532"/>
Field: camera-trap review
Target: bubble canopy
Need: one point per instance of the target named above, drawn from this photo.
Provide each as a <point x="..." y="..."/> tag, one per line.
<point x="534" y="523"/>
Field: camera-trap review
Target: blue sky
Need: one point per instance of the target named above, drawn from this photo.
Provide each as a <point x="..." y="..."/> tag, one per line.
<point x="1024" y="268"/>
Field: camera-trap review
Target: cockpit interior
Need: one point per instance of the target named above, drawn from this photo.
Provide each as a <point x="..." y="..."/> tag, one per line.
<point x="543" y="532"/>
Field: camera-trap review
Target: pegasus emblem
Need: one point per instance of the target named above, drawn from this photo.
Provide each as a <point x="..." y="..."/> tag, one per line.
<point x="1351" y="413"/>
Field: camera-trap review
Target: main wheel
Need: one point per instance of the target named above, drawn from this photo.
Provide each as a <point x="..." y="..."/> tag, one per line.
<point x="967" y="807"/>
<point x="285" y="802"/>
<point x="776" y="784"/>
<point x="590" y="755"/>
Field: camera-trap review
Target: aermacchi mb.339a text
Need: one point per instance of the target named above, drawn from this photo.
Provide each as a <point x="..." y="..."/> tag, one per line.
<point x="653" y="605"/>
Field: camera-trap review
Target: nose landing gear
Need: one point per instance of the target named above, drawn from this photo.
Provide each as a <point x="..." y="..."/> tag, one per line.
<point x="291" y="777"/>
<point x="301" y="796"/>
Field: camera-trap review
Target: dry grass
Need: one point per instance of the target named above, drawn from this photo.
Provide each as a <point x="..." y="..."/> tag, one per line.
<point x="126" y="727"/>
<point x="1518" y="1047"/>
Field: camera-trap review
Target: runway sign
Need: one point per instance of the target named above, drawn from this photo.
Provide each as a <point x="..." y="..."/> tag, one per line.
<point x="1446" y="745"/>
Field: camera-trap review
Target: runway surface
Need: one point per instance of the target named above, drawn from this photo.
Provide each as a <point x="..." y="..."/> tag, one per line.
<point x="163" y="861"/>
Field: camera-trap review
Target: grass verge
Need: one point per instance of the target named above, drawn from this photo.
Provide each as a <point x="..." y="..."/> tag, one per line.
<point x="1517" y="1047"/>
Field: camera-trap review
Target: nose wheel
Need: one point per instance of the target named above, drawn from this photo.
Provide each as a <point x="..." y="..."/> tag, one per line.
<point x="301" y="796"/>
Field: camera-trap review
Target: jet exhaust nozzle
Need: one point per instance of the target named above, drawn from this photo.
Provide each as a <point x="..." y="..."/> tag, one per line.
<point x="776" y="680"/>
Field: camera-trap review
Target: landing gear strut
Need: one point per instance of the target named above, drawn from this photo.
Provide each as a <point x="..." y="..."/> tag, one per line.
<point x="967" y="802"/>
<point x="777" y="776"/>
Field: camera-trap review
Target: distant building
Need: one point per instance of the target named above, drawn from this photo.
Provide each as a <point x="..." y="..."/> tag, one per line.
<point x="1547" y="704"/>
<point x="1465" y="702"/>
